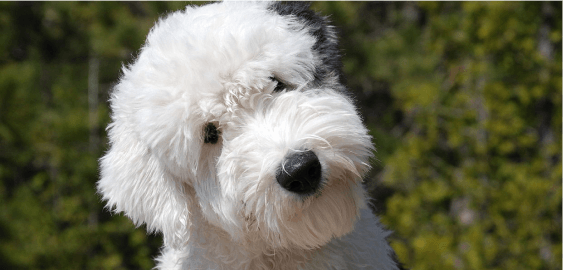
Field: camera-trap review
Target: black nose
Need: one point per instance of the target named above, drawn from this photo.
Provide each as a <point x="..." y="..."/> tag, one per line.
<point x="300" y="172"/>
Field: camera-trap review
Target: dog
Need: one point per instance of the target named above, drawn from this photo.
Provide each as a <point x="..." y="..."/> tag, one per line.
<point x="233" y="135"/>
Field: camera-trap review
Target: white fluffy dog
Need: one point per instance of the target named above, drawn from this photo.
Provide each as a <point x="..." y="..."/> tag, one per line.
<point x="232" y="135"/>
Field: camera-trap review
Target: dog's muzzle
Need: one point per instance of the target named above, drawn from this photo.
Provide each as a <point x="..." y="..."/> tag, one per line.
<point x="300" y="173"/>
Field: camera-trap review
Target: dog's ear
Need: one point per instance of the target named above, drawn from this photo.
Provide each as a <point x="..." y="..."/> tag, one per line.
<point x="135" y="182"/>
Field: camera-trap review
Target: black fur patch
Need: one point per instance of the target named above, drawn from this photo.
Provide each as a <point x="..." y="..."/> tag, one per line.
<point x="326" y="46"/>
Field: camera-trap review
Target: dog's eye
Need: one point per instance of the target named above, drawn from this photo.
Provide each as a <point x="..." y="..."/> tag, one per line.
<point x="211" y="134"/>
<point x="280" y="86"/>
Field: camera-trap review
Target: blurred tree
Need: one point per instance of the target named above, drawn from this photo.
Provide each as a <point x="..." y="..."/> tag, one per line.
<point x="51" y="55"/>
<point x="463" y="100"/>
<point x="472" y="99"/>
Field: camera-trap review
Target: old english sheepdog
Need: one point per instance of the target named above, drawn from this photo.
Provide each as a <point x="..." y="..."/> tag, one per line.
<point x="232" y="135"/>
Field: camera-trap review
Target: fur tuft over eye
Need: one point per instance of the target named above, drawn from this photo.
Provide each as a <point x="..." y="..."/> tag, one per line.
<point x="280" y="86"/>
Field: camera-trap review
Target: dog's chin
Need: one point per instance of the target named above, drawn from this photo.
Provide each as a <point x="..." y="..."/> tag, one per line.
<point x="308" y="222"/>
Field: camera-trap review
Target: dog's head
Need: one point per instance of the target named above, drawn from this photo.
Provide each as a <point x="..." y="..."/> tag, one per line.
<point x="236" y="111"/>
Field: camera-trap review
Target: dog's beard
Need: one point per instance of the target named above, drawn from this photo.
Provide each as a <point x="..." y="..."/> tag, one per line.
<point x="305" y="223"/>
<point x="245" y="199"/>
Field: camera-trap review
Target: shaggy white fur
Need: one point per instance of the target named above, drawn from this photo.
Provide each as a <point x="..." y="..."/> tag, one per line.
<point x="204" y="123"/>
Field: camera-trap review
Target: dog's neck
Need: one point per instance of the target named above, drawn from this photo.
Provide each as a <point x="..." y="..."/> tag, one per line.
<point x="207" y="246"/>
<point x="209" y="242"/>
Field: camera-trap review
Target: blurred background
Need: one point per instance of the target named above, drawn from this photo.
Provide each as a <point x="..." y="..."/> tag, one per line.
<point x="463" y="100"/>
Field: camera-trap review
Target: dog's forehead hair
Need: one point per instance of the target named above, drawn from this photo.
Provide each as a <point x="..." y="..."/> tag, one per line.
<point x="327" y="71"/>
<point x="326" y="45"/>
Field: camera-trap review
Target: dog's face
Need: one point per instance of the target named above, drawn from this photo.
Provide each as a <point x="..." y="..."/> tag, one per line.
<point x="238" y="109"/>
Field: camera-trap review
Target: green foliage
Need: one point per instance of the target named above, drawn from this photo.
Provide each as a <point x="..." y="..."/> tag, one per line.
<point x="476" y="170"/>
<point x="51" y="216"/>
<point x="463" y="100"/>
